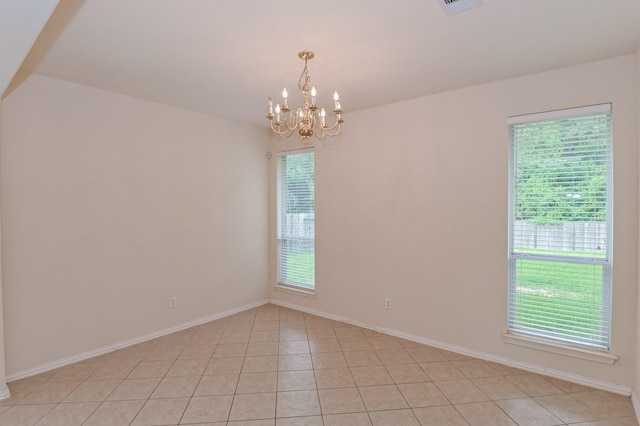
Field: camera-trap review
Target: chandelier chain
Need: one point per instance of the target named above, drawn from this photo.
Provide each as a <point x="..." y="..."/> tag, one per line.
<point x="307" y="78"/>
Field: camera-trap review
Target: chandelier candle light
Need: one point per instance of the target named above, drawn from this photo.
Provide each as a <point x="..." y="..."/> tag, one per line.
<point x="308" y="120"/>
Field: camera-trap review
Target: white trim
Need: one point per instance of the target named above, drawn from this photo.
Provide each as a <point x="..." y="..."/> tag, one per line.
<point x="557" y="348"/>
<point x="5" y="393"/>
<point x="585" y="381"/>
<point x="295" y="290"/>
<point x="560" y="258"/>
<point x="559" y="113"/>
<point x="294" y="151"/>
<point x="129" y="342"/>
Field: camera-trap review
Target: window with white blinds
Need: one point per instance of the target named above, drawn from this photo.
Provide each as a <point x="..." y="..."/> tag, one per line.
<point x="296" y="220"/>
<point x="560" y="226"/>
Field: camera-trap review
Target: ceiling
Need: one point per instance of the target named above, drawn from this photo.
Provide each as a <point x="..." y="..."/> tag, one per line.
<point x="20" y="24"/>
<point x="225" y="58"/>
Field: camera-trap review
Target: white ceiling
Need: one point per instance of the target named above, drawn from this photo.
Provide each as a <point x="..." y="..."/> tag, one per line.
<point x="20" y="24"/>
<point x="226" y="58"/>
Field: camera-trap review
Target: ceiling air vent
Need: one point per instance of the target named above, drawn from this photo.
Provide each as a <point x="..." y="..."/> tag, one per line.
<point x="455" y="6"/>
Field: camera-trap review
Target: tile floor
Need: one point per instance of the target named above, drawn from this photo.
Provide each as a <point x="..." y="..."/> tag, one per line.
<point x="272" y="366"/>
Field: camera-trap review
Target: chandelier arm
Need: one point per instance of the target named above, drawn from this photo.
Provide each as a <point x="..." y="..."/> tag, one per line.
<point x="332" y="134"/>
<point x="337" y="124"/>
<point x="324" y="134"/>
<point x="283" y="133"/>
<point x="329" y="131"/>
<point x="291" y="119"/>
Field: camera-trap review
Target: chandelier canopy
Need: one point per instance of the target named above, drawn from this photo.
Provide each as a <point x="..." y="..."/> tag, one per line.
<point x="306" y="119"/>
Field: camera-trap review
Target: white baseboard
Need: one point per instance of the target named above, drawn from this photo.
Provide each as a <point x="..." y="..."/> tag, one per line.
<point x="4" y="393"/>
<point x="130" y="342"/>
<point x="585" y="381"/>
<point x="636" y="404"/>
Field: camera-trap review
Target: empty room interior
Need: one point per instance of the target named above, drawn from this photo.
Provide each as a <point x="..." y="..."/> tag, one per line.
<point x="435" y="222"/>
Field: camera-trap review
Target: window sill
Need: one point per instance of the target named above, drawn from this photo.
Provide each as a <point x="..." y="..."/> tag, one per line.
<point x="311" y="294"/>
<point x="557" y="348"/>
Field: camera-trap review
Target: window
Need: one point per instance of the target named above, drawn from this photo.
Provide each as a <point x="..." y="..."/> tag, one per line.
<point x="560" y="226"/>
<point x="296" y="220"/>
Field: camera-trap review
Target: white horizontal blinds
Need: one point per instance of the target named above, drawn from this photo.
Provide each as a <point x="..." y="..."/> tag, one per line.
<point x="560" y="230"/>
<point x="296" y="220"/>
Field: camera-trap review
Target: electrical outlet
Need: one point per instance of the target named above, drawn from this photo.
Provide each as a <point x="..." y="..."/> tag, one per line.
<point x="387" y="303"/>
<point x="172" y="302"/>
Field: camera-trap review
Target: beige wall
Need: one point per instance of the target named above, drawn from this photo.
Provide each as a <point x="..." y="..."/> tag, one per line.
<point x="20" y="24"/>
<point x="4" y="390"/>
<point x="110" y="206"/>
<point x="636" y="398"/>
<point x="412" y="203"/>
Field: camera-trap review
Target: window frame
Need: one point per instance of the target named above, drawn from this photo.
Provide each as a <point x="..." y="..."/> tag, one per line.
<point x="283" y="283"/>
<point x="514" y="331"/>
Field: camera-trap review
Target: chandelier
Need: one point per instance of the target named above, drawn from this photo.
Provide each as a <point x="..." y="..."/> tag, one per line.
<point x="307" y="119"/>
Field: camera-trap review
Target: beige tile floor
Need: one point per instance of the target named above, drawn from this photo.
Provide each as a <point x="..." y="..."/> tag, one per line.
<point x="272" y="366"/>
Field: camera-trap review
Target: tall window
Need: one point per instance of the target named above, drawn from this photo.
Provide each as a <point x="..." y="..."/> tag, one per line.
<point x="560" y="226"/>
<point x="296" y="220"/>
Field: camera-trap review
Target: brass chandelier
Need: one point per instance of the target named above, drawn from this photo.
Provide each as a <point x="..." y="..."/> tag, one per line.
<point x="307" y="119"/>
